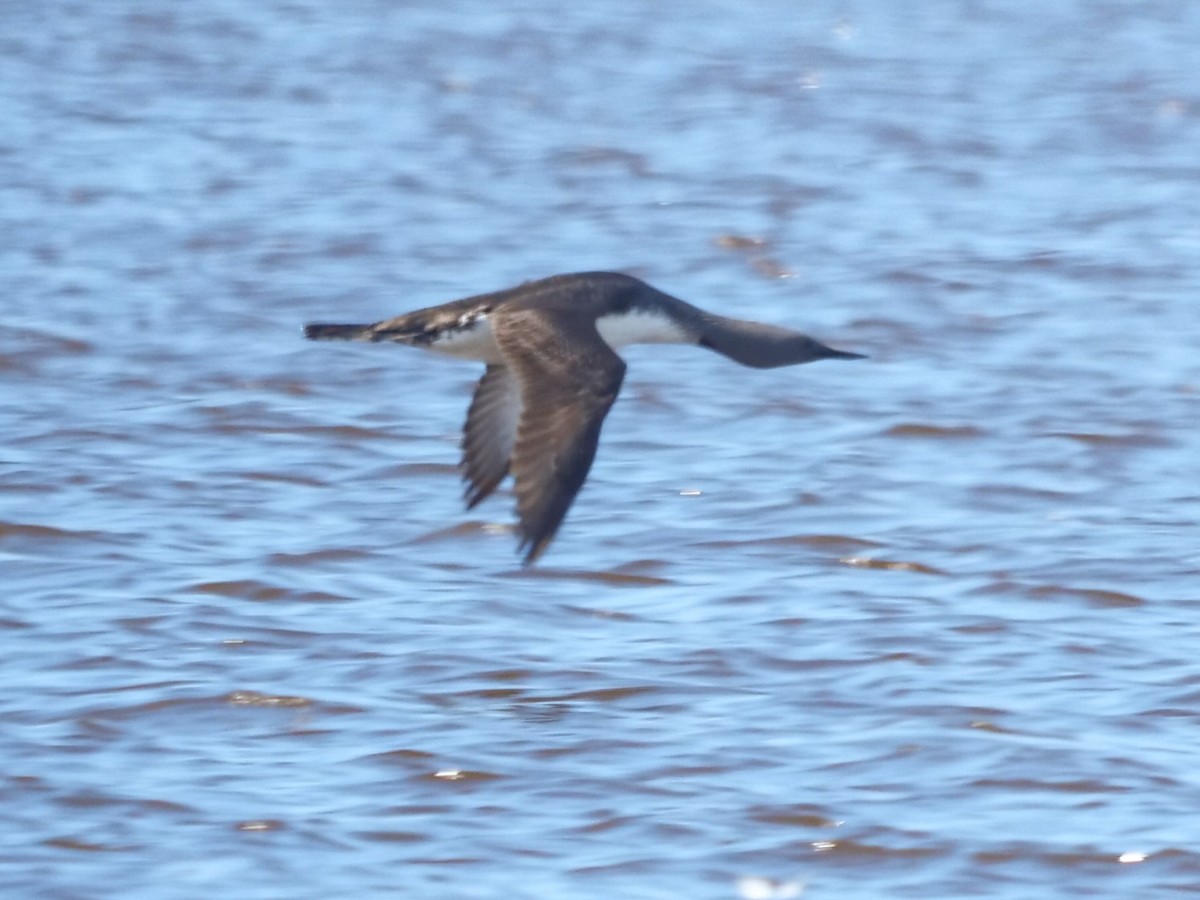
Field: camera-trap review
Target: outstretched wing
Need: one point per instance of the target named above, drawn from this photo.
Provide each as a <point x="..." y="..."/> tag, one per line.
<point x="568" y="378"/>
<point x="491" y="432"/>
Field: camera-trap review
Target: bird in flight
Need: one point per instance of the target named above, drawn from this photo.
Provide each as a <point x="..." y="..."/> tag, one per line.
<point x="552" y="374"/>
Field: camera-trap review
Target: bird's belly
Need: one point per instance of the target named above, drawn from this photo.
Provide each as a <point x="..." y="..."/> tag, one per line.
<point x="640" y="327"/>
<point x="472" y="341"/>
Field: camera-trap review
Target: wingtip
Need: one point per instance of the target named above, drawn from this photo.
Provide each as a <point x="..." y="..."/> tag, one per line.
<point x="533" y="549"/>
<point x="532" y="555"/>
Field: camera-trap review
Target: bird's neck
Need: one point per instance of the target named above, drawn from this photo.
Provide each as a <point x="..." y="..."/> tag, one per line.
<point x="642" y="326"/>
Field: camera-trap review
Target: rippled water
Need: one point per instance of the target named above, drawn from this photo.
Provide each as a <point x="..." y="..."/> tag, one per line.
<point x="920" y="626"/>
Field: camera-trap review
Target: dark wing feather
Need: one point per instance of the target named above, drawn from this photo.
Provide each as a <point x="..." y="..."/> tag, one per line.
<point x="569" y="379"/>
<point x="490" y="433"/>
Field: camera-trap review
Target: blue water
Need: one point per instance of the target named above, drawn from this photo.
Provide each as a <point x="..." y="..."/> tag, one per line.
<point x="920" y="626"/>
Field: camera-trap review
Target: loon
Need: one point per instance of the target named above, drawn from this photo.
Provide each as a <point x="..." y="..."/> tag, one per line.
<point x="552" y="374"/>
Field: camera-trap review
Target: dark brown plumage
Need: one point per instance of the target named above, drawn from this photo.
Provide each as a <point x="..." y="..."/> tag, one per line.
<point x="553" y="374"/>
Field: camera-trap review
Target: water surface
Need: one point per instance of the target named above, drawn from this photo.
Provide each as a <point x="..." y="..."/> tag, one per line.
<point x="919" y="626"/>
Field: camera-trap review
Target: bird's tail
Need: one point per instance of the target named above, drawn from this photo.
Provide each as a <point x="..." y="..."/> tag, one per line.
<point x="319" y="331"/>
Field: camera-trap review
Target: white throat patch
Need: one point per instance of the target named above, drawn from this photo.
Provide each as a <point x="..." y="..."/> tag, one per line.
<point x="640" y="327"/>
